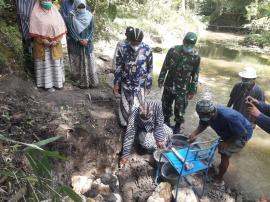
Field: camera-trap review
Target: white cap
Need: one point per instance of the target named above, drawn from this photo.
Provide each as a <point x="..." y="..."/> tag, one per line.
<point x="248" y="72"/>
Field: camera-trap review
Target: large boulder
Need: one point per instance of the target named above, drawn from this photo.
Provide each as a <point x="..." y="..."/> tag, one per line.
<point x="163" y="193"/>
<point x="81" y="184"/>
<point x="113" y="198"/>
<point x="185" y="195"/>
<point x="101" y="188"/>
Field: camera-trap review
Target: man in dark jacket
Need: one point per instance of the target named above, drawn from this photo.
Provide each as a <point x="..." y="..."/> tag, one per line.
<point x="259" y="112"/>
<point x="247" y="87"/>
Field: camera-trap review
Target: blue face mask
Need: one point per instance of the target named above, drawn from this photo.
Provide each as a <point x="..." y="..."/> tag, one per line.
<point x="46" y="5"/>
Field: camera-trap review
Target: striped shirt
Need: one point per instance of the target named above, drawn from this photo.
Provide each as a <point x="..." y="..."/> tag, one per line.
<point x="24" y="10"/>
<point x="137" y="125"/>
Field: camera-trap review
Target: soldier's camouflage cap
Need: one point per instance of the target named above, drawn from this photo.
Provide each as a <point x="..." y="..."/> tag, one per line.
<point x="190" y="38"/>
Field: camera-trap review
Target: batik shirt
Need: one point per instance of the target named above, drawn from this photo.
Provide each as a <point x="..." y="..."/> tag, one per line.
<point x="182" y="69"/>
<point x="134" y="68"/>
<point x="136" y="125"/>
<point x="119" y="47"/>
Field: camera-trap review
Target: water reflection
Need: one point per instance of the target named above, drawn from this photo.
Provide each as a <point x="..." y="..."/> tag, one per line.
<point x="249" y="170"/>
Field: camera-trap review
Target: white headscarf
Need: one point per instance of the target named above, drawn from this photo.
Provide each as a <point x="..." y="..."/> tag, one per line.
<point x="81" y="19"/>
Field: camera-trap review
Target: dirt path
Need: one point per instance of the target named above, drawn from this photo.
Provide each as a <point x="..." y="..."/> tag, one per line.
<point x="85" y="118"/>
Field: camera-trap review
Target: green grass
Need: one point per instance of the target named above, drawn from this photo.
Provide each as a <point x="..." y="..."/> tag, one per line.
<point x="11" y="45"/>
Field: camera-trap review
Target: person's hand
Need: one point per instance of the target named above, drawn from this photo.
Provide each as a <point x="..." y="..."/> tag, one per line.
<point x="192" y="138"/>
<point x="160" y="84"/>
<point x="222" y="146"/>
<point x="263" y="199"/>
<point x="252" y="110"/>
<point x="252" y="100"/>
<point x="161" y="145"/>
<point x="54" y="43"/>
<point x="116" y="89"/>
<point x="190" y="96"/>
<point x="46" y="43"/>
<point x="123" y="163"/>
<point x="84" y="42"/>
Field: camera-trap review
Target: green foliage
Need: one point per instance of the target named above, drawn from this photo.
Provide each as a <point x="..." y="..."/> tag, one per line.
<point x="11" y="45"/>
<point x="2" y="3"/>
<point x="241" y="10"/>
<point x="112" y="11"/>
<point x="260" y="40"/>
<point x="41" y="183"/>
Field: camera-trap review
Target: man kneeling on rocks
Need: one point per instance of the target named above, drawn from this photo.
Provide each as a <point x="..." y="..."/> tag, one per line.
<point x="232" y="127"/>
<point x="146" y="125"/>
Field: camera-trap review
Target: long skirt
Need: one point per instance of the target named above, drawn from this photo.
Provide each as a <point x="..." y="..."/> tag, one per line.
<point x="148" y="141"/>
<point x="49" y="73"/>
<point x="127" y="103"/>
<point x="83" y="69"/>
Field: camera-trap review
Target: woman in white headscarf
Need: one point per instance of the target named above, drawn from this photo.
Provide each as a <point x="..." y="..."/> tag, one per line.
<point x="80" y="29"/>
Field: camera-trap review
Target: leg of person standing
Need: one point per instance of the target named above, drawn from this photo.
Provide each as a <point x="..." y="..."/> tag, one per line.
<point x="167" y="101"/>
<point x="180" y="106"/>
<point x="93" y="78"/>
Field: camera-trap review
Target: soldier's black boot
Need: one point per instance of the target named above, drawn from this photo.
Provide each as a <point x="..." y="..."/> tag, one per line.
<point x="167" y="122"/>
<point x="176" y="129"/>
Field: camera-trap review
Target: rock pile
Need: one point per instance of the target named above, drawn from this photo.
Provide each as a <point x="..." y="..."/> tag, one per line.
<point x="102" y="189"/>
<point x="163" y="193"/>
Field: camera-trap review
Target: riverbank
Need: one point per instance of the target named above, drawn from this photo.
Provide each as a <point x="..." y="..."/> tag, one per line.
<point x="87" y="121"/>
<point x="232" y="41"/>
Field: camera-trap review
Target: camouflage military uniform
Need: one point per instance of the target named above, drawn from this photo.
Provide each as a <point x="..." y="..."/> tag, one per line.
<point x="181" y="81"/>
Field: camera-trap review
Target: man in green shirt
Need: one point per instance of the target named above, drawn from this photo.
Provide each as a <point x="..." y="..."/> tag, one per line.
<point x="179" y="75"/>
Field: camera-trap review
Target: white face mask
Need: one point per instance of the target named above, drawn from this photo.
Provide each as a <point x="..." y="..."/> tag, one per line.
<point x="205" y="119"/>
<point x="135" y="48"/>
<point x="188" y="48"/>
<point x="81" y="10"/>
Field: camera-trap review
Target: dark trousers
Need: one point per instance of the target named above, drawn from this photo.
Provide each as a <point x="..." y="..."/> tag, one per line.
<point x="28" y="59"/>
<point x="180" y="104"/>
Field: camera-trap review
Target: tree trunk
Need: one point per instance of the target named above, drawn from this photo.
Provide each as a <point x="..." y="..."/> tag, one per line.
<point x="183" y="6"/>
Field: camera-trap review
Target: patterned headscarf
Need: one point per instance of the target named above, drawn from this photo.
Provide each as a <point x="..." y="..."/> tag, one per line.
<point x="81" y="20"/>
<point x="47" y="24"/>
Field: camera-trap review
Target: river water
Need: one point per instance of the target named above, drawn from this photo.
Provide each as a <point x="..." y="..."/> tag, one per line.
<point x="249" y="170"/>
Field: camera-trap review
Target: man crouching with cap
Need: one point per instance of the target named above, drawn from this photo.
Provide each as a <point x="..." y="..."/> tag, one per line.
<point x="146" y="126"/>
<point x="232" y="127"/>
